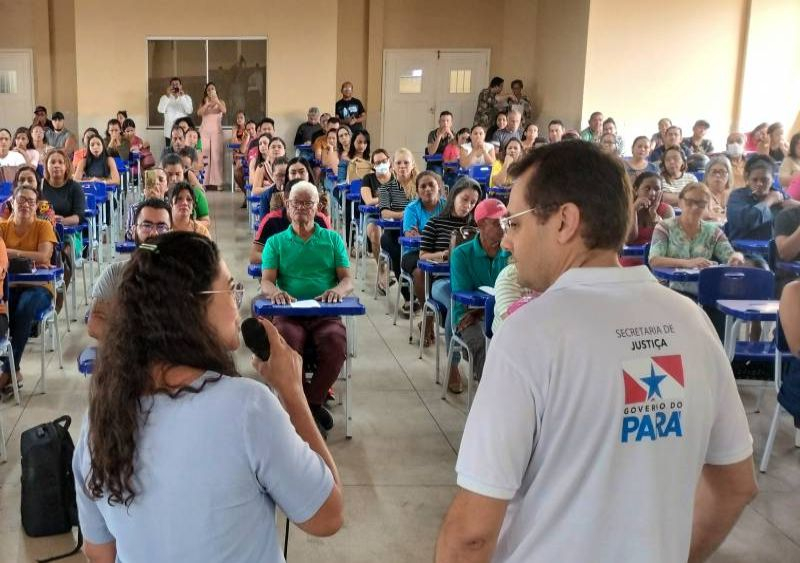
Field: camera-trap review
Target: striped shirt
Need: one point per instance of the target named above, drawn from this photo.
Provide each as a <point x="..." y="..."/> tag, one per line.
<point x="391" y="196"/>
<point x="436" y="235"/>
<point x="675" y="185"/>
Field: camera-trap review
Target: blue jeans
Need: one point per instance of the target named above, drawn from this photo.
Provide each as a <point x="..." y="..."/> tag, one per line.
<point x="440" y="291"/>
<point x="24" y="305"/>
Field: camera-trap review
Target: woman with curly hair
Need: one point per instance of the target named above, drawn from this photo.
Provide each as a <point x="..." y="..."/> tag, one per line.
<point x="181" y="459"/>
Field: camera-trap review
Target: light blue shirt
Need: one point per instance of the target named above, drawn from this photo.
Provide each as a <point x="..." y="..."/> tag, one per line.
<point x="415" y="215"/>
<point x="210" y="468"/>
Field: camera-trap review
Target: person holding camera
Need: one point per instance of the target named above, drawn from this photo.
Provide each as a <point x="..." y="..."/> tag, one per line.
<point x="174" y="104"/>
<point x="180" y="459"/>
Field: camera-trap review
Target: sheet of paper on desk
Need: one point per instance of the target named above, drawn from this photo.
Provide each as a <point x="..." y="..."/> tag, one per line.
<point x="487" y="289"/>
<point x="687" y="271"/>
<point x="305" y="304"/>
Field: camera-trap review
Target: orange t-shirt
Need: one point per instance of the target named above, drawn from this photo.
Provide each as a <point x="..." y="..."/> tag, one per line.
<point x="41" y="231"/>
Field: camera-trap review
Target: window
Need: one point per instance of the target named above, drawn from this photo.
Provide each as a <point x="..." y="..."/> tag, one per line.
<point x="8" y="81"/>
<point x="411" y="82"/>
<point x="237" y="67"/>
<point x="461" y="81"/>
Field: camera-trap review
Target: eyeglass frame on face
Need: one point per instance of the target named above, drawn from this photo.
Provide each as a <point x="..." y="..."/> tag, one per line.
<point x="149" y="227"/>
<point x="698" y="203"/>
<point x="237" y="290"/>
<point x="506" y="223"/>
<point x="28" y="201"/>
<point x="310" y="204"/>
<point x="718" y="172"/>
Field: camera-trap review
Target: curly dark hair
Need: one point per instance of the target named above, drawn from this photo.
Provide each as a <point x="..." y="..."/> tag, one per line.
<point x="160" y="291"/>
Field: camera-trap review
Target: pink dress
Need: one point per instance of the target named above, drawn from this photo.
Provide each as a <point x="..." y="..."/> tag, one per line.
<point x="213" y="147"/>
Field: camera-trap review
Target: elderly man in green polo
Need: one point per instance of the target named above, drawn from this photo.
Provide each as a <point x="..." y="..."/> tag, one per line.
<point x="307" y="261"/>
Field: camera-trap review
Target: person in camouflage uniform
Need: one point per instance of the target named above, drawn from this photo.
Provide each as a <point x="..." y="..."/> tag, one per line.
<point x="486" y="111"/>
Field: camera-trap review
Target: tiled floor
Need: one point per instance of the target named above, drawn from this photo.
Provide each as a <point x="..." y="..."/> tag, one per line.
<point x="398" y="468"/>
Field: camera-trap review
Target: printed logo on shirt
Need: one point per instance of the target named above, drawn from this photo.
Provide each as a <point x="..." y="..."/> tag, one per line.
<point x="654" y="391"/>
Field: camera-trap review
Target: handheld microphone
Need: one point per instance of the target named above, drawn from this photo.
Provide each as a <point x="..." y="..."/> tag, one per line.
<point x="255" y="338"/>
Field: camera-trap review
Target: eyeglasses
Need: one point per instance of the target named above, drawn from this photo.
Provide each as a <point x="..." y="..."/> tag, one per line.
<point x="506" y="223"/>
<point x="302" y="204"/>
<point x="149" y="227"/>
<point x="698" y="203"/>
<point x="237" y="289"/>
<point x="718" y="172"/>
<point x="25" y="201"/>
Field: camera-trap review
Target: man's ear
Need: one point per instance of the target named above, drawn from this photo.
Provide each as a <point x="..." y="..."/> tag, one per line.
<point x="570" y="216"/>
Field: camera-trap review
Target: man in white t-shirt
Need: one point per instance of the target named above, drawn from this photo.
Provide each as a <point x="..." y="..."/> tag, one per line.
<point x="607" y="426"/>
<point x="174" y="104"/>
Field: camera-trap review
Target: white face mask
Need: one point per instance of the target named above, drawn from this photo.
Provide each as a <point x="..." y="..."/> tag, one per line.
<point x="382" y="168"/>
<point x="735" y="149"/>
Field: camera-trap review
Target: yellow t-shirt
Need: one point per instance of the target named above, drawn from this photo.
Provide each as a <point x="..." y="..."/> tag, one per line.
<point x="29" y="241"/>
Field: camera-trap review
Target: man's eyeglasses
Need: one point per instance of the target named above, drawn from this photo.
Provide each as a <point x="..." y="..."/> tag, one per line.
<point x="508" y="223"/>
<point x="302" y="204"/>
<point x="237" y="289"/>
<point x="149" y="227"/>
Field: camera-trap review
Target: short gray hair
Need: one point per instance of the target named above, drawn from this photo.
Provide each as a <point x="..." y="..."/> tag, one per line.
<point x="307" y="188"/>
<point x="314" y="110"/>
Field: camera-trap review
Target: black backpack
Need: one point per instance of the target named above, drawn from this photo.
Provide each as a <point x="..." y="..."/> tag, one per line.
<point x="48" y="502"/>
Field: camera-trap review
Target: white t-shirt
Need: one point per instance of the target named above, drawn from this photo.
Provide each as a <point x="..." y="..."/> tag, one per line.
<point x="599" y="404"/>
<point x="487" y="145"/>
<point x="173" y="107"/>
<point x="13" y="158"/>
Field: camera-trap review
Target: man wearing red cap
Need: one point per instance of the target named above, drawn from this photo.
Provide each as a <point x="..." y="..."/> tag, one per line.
<point x="474" y="264"/>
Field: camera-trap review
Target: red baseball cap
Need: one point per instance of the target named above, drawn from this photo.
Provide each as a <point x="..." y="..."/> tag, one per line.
<point x="490" y="208"/>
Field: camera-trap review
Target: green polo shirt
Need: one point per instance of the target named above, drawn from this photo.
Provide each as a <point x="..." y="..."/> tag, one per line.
<point x="307" y="268"/>
<point x="470" y="268"/>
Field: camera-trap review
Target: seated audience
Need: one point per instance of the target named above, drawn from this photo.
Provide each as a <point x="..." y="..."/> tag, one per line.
<point x="689" y="242"/>
<point x="789" y="173"/>
<point x="83" y="150"/>
<point x="25" y="236"/>
<point x="305" y="131"/>
<point x="321" y="140"/>
<point x="23" y="144"/>
<point x="519" y="102"/>
<point x="610" y="126"/>
<point x="719" y="179"/>
<point x="9" y="157"/>
<point x="752" y="209"/>
<point x="648" y="211"/>
<point x="452" y="152"/>
<point x="278" y="221"/>
<point x="435" y="244"/>
<point x="758" y="140"/>
<point x="473" y="264"/>
<point x="672" y="138"/>
<point x="657" y="140"/>
<point x="529" y="136"/>
<point x="261" y="174"/>
<point x="157" y="401"/>
<point x="439" y="138"/>
<point x="370" y="189"/>
<point x="28" y="177"/>
<point x="130" y="137"/>
<point x="358" y="157"/>
<point x="789" y="311"/>
<point x="608" y="144"/>
<point x="511" y="152"/>
<point x="477" y="151"/>
<point x="500" y="122"/>
<point x="183" y="203"/>
<point x="697" y="143"/>
<point x="59" y="137"/>
<point x="328" y="154"/>
<point x="65" y="195"/>
<point x="273" y="197"/>
<point x="155" y="187"/>
<point x="778" y="147"/>
<point x="512" y="130"/>
<point x="115" y="142"/>
<point x="428" y="203"/>
<point x="555" y="131"/>
<point x="152" y="217"/>
<point x="39" y="141"/>
<point x="393" y="197"/>
<point x="97" y="166"/>
<point x="674" y="174"/>
<point x="344" y="138"/>
<point x="639" y="163"/>
<point x="592" y="133"/>
<point x="176" y="172"/>
<point x="787" y="242"/>
<point x="734" y="150"/>
<point x="308" y="262"/>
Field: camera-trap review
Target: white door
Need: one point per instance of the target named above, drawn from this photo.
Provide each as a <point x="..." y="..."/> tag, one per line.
<point x="16" y="88"/>
<point x="461" y="77"/>
<point x="409" y="94"/>
<point x="419" y="84"/>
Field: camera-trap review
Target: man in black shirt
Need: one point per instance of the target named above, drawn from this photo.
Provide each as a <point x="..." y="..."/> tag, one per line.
<point x="439" y="137"/>
<point x="350" y="110"/>
<point x="306" y="131"/>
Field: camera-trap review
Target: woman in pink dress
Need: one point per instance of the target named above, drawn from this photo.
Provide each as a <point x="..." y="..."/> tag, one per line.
<point x="211" y="110"/>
